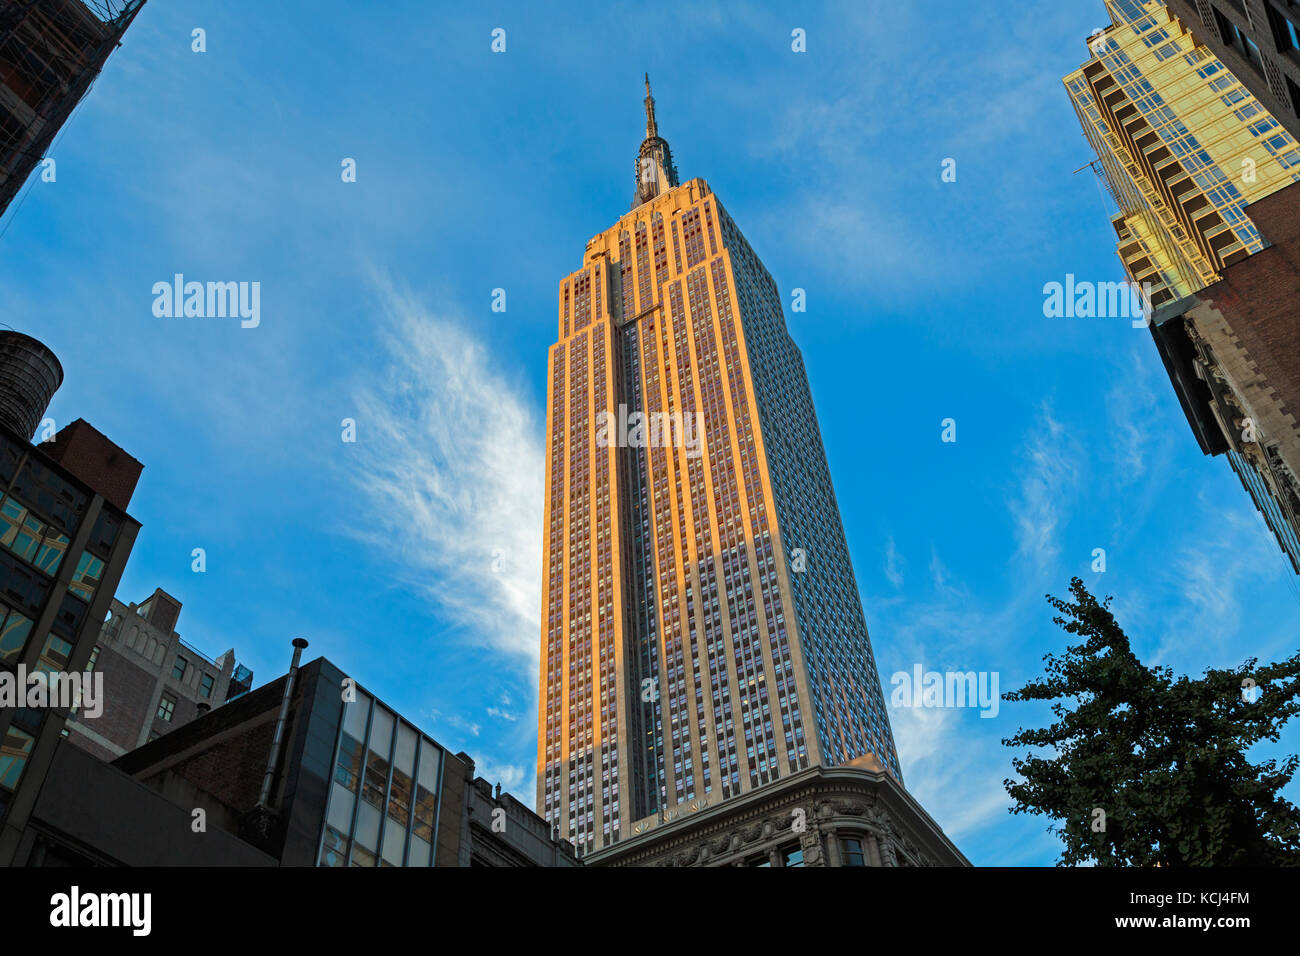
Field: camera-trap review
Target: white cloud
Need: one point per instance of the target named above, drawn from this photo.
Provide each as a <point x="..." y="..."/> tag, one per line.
<point x="893" y="564"/>
<point x="1049" y="474"/>
<point x="453" y="472"/>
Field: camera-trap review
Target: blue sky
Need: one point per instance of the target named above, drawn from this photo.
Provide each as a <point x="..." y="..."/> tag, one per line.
<point x="412" y="556"/>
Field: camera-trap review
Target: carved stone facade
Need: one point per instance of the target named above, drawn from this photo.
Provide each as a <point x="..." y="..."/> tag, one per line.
<point x="854" y="815"/>
<point x="1232" y="351"/>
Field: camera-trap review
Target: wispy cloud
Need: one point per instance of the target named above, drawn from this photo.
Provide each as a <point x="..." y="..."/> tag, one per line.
<point x="893" y="564"/>
<point x="1049" y="474"/>
<point x="452" y="475"/>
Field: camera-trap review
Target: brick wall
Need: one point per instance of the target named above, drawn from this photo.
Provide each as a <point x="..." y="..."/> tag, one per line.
<point x="106" y="468"/>
<point x="1259" y="299"/>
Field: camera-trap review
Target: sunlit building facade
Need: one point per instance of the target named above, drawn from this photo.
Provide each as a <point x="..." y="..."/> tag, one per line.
<point x="1183" y="147"/>
<point x="702" y="632"/>
<point x="1204" y="178"/>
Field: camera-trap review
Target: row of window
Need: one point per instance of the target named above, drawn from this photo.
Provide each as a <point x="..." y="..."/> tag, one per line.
<point x="43" y="547"/>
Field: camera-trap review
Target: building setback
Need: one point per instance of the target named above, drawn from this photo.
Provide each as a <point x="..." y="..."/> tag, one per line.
<point x="1205" y="177"/>
<point x="64" y="539"/>
<point x="153" y="680"/>
<point x="50" y="53"/>
<point x="1259" y="41"/>
<point x="702" y="633"/>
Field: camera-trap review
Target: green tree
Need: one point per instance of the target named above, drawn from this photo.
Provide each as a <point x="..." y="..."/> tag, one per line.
<point x="1163" y="759"/>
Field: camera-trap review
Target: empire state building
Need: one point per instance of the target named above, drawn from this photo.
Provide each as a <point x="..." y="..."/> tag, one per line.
<point x="702" y="633"/>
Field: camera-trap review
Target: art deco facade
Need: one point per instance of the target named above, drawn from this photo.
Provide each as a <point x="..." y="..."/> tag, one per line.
<point x="848" y="816"/>
<point x="702" y="632"/>
<point x="1189" y="153"/>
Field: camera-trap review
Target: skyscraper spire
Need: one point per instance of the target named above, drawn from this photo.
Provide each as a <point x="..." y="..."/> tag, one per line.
<point x="651" y="128"/>
<point x="655" y="172"/>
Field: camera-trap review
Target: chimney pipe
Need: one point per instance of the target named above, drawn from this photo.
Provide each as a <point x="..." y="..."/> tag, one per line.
<point x="273" y="759"/>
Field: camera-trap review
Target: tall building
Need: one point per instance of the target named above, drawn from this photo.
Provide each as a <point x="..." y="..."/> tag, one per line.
<point x="64" y="540"/>
<point x="702" y="632"/>
<point x="50" y="53"/>
<point x="154" y="681"/>
<point x="1189" y="154"/>
<point x="1259" y="41"/>
<point x="1183" y="147"/>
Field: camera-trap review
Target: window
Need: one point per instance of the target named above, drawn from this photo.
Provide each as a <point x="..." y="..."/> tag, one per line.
<point x="852" y="852"/>
<point x="179" y="668"/>
<point x="31" y="539"/>
<point x="335" y="850"/>
<point x="376" y="780"/>
<point x="13" y="756"/>
<point x="793" y="856"/>
<point x="54" y="654"/>
<point x="361" y="856"/>
<point x="348" y="770"/>
<point x="1284" y="27"/>
<point x="166" y="707"/>
<point x="86" y="578"/>
<point x="399" y="798"/>
<point x="424" y="813"/>
<point x="13" y="635"/>
<point x="206" y="683"/>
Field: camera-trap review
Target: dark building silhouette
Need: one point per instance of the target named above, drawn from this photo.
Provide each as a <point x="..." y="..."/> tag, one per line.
<point x="64" y="540"/>
<point x="30" y="374"/>
<point x="50" y="53"/>
<point x="323" y="775"/>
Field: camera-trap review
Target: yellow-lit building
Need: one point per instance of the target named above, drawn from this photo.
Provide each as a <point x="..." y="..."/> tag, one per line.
<point x="1183" y="147"/>
<point x="702" y="632"/>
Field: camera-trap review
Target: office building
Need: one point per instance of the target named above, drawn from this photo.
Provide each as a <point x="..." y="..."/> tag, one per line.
<point x="331" y="776"/>
<point x="1183" y="147"/>
<point x="702" y="632"/>
<point x="50" y="53"/>
<point x="1196" y="164"/>
<point x="154" y="681"/>
<point x="1259" y="41"/>
<point x="64" y="539"/>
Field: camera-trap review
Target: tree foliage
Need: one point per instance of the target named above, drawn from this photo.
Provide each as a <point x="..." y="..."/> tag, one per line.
<point x="1143" y="769"/>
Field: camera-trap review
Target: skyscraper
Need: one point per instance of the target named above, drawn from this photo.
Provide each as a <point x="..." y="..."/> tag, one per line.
<point x="702" y="633"/>
<point x="1196" y="164"/>
<point x="1183" y="148"/>
<point x="1259" y="41"/>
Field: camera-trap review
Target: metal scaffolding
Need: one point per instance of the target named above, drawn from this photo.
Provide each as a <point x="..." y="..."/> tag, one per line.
<point x="50" y="53"/>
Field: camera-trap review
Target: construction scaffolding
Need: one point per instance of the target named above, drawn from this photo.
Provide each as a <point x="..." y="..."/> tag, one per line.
<point x="50" y="53"/>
